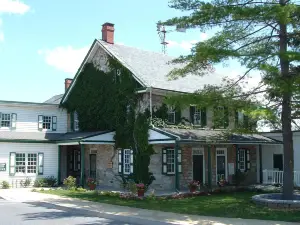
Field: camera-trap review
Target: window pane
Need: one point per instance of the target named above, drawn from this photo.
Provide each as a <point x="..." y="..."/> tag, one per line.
<point x="127" y="161"/>
<point x="46" y="122"/>
<point x="31" y="163"/>
<point x="20" y="163"/>
<point x="5" y="120"/>
<point x="170" y="161"/>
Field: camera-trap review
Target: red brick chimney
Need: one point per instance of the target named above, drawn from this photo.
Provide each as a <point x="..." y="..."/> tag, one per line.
<point x="68" y="82"/>
<point x="108" y="33"/>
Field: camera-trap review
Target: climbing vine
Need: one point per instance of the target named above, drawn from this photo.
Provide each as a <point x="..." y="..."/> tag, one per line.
<point x="108" y="101"/>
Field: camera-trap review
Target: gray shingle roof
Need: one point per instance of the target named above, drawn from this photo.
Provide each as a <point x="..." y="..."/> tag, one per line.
<point x="218" y="136"/>
<point x="152" y="69"/>
<point x="55" y="99"/>
<point x="39" y="136"/>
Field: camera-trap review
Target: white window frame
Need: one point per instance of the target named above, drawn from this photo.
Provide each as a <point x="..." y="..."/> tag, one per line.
<point x="171" y="114"/>
<point x="26" y="164"/>
<point x="242" y="160"/>
<point x="76" y="122"/>
<point x="170" y="152"/>
<point x="2" y="120"/>
<point x="197" y="116"/>
<point x="127" y="165"/>
<point x="50" y="128"/>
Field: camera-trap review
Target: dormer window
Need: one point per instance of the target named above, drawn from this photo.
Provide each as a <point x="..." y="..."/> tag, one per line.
<point x="171" y="115"/>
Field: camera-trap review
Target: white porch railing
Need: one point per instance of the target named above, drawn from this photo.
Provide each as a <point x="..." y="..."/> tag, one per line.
<point x="276" y="177"/>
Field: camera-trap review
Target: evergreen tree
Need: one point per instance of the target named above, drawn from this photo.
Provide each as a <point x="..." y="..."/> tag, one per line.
<point x="262" y="35"/>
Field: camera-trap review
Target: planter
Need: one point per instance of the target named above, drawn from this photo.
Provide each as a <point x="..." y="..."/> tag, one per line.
<point x="141" y="192"/>
<point x="92" y="186"/>
<point x="193" y="189"/>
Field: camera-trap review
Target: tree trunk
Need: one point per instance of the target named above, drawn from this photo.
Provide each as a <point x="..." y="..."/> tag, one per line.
<point x="288" y="152"/>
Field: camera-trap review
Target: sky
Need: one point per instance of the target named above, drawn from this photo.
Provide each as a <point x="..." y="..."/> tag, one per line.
<point x="44" y="42"/>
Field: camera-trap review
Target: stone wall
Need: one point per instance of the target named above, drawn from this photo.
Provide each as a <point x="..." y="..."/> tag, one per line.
<point x="161" y="182"/>
<point x="106" y="165"/>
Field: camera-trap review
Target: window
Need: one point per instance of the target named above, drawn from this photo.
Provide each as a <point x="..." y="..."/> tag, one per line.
<point x="171" y="115"/>
<point x="76" y="122"/>
<point x="31" y="163"/>
<point x="170" y="161"/>
<point x="242" y="160"/>
<point x="5" y="120"/>
<point x="197" y="116"/>
<point x="47" y="122"/>
<point x="20" y="163"/>
<point x="127" y="161"/>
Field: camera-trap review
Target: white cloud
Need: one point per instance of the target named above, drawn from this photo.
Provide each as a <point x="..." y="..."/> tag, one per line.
<point x="66" y="58"/>
<point x="13" y="7"/>
<point x="185" y="44"/>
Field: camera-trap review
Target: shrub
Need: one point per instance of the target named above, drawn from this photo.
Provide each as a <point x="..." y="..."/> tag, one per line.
<point x="25" y="183"/>
<point x="80" y="189"/>
<point x="33" y="190"/>
<point x="39" y="182"/>
<point x="50" y="181"/>
<point x="70" y="182"/>
<point x="5" y="185"/>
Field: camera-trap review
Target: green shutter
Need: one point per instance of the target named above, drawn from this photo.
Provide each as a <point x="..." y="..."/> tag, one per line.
<point x="247" y="156"/>
<point x="12" y="164"/>
<point x="40" y="122"/>
<point x="13" y="121"/>
<point x="164" y="161"/>
<point x="236" y="119"/>
<point x="238" y="158"/>
<point x="54" y="123"/>
<point x="203" y="117"/>
<point x="179" y="161"/>
<point x="131" y="161"/>
<point x="192" y="112"/>
<point x="226" y="117"/>
<point x="41" y="163"/>
<point x="246" y="121"/>
<point x="120" y="161"/>
<point x="72" y="121"/>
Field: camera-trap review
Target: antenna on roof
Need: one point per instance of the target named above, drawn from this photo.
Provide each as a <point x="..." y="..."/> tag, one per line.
<point x="161" y="30"/>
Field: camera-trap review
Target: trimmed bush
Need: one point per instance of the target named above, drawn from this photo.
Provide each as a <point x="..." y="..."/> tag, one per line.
<point x="5" y="185"/>
<point x="70" y="182"/>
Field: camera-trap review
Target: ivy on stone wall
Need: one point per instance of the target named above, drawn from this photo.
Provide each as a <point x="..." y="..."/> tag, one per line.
<point x="108" y="101"/>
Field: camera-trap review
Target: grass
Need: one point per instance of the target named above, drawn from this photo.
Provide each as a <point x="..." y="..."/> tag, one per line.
<point x="234" y="205"/>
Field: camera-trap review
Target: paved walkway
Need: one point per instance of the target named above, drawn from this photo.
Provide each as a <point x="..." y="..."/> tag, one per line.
<point x="130" y="215"/>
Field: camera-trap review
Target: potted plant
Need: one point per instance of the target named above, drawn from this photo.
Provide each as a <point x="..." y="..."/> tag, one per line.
<point x="91" y="182"/>
<point x="193" y="185"/>
<point x="140" y="189"/>
<point x="222" y="183"/>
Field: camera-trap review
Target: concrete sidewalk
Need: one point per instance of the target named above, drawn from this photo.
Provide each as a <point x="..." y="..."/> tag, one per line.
<point x="130" y="215"/>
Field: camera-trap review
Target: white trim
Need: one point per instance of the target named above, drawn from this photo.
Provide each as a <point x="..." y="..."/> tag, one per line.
<point x="203" y="154"/>
<point x="69" y="143"/>
<point x="239" y="161"/>
<point x="226" y="164"/>
<point x="162" y="142"/>
<point x="125" y="152"/>
<point x="96" y="143"/>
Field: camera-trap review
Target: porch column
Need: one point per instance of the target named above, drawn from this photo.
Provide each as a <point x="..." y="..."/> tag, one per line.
<point x="177" y="182"/>
<point x="236" y="159"/>
<point x="260" y="164"/>
<point x="59" y="165"/>
<point x="82" y="159"/>
<point x="209" y="175"/>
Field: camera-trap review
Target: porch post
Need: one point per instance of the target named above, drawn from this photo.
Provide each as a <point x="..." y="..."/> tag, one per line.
<point x="59" y="165"/>
<point x="82" y="159"/>
<point x="209" y="166"/>
<point x="260" y="164"/>
<point x="176" y="167"/>
<point x="236" y="158"/>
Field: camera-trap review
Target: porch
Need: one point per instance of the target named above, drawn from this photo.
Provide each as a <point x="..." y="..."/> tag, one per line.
<point x="276" y="177"/>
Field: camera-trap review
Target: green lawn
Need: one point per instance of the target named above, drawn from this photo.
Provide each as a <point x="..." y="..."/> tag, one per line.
<point x="236" y="205"/>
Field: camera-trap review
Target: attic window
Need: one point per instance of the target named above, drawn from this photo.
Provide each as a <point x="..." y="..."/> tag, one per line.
<point x="118" y="72"/>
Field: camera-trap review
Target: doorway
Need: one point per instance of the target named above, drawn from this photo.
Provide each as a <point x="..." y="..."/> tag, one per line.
<point x="221" y="164"/>
<point x="278" y="162"/>
<point x="74" y="163"/>
<point x="93" y="165"/>
<point x="198" y="165"/>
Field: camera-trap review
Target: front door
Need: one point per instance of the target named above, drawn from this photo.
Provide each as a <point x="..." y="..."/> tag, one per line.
<point x="93" y="165"/>
<point x="74" y="163"/>
<point x="278" y="162"/>
<point x="221" y="167"/>
<point x="198" y="168"/>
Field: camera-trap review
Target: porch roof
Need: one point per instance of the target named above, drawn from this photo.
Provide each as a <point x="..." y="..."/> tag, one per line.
<point x="218" y="136"/>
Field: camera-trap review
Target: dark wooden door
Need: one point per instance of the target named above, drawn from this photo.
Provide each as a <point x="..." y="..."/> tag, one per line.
<point x="278" y="161"/>
<point x="198" y="168"/>
<point x="93" y="165"/>
<point x="221" y="169"/>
